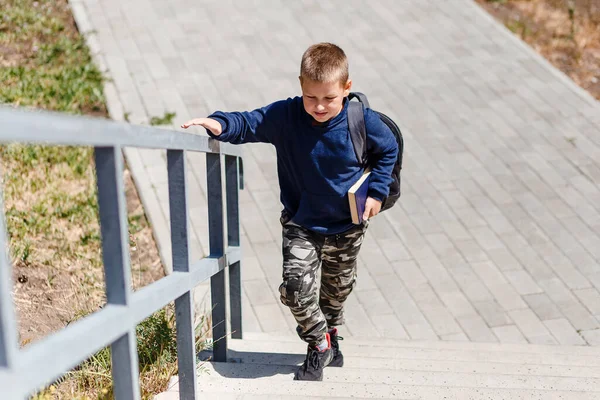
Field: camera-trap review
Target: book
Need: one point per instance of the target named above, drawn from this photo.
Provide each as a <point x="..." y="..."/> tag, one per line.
<point x="357" y="196"/>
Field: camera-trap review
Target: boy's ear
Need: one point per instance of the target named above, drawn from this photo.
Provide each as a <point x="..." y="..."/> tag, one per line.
<point x="347" y="87"/>
<point x="300" y="79"/>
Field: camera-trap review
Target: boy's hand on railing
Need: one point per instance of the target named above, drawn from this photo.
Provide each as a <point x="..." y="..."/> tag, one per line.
<point x="211" y="124"/>
<point x="372" y="208"/>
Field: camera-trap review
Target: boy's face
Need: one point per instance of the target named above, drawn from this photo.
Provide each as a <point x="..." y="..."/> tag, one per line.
<point x="324" y="100"/>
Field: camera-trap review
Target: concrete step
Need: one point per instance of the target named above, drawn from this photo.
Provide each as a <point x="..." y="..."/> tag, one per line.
<point x="262" y="366"/>
<point x="275" y="374"/>
<point x="478" y="367"/>
<point x="252" y="389"/>
<point x="381" y="353"/>
<point x="233" y="396"/>
<point x="438" y="344"/>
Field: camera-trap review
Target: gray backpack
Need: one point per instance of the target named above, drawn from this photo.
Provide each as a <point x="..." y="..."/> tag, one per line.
<point x="358" y="133"/>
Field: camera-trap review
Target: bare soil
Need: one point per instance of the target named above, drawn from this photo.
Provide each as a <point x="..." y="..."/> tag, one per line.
<point x="48" y="298"/>
<point x="565" y="32"/>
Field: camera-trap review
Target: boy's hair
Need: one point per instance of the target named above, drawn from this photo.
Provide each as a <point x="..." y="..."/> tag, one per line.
<point x="324" y="62"/>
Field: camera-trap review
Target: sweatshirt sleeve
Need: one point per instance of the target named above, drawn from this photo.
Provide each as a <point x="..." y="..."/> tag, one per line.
<point x="383" y="151"/>
<point x="261" y="125"/>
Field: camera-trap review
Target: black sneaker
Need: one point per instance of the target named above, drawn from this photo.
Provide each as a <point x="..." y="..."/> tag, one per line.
<point x="316" y="360"/>
<point x="338" y="357"/>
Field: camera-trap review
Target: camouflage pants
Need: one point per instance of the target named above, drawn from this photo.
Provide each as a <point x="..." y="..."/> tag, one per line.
<point x="319" y="272"/>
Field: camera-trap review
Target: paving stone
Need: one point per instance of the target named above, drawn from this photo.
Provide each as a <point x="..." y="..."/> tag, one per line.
<point x="405" y="308"/>
<point x="259" y="292"/>
<point x="374" y="260"/>
<point x="456" y="337"/>
<point x="564" y="332"/>
<point x="488" y="273"/>
<point x="486" y="238"/>
<point x="503" y="259"/>
<point x="457" y="303"/>
<point x="522" y="282"/>
<point x="592" y="337"/>
<point x="579" y="317"/>
<point x="270" y="317"/>
<point x="394" y="250"/>
<point x="364" y="280"/>
<point x="509" y="334"/>
<point x="529" y="324"/>
<point x="476" y="329"/>
<point x="492" y="313"/>
<point x="470" y="284"/>
<point x="410" y="273"/>
<point x="471" y="250"/>
<point x="251" y="269"/>
<point x="558" y="292"/>
<point x="373" y="302"/>
<point x="357" y="319"/>
<point x="437" y="275"/>
<point x="389" y="326"/>
<point x="455" y="229"/>
<point x="249" y="320"/>
<point x="438" y="316"/>
<point x="543" y="306"/>
<point x="590" y="298"/>
<point x="546" y="339"/>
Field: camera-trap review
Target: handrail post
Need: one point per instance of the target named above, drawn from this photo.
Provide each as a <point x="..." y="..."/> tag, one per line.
<point x="8" y="324"/>
<point x="217" y="250"/>
<point x="117" y="271"/>
<point x="184" y="308"/>
<point x="233" y="239"/>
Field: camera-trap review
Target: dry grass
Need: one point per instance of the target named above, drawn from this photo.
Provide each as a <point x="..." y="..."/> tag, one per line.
<point x="566" y="32"/>
<point x="157" y="355"/>
<point x="44" y="61"/>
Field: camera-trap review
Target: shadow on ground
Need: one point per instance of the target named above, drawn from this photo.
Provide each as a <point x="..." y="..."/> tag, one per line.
<point x="252" y="365"/>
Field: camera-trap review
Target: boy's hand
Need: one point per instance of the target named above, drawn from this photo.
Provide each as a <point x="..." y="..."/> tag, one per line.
<point x="372" y="208"/>
<point x="211" y="124"/>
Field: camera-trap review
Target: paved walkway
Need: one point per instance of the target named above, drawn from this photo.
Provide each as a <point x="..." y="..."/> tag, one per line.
<point x="497" y="236"/>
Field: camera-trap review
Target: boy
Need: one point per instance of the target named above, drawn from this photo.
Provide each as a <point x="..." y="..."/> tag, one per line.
<point x="316" y="165"/>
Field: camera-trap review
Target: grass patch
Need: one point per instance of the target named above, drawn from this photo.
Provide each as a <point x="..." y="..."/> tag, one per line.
<point x="44" y="62"/>
<point x="51" y="202"/>
<point x="518" y="27"/>
<point x="157" y="355"/>
<point x="166" y="119"/>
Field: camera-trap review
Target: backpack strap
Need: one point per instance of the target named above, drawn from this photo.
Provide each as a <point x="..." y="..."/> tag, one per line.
<point x="358" y="130"/>
<point x="361" y="97"/>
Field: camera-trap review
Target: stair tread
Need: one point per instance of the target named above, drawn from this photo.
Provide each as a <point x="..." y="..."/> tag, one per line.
<point x="282" y="389"/>
<point x="261" y="396"/>
<point x="240" y="348"/>
<point x="284" y="373"/>
<point x="351" y="362"/>
<point x="438" y="344"/>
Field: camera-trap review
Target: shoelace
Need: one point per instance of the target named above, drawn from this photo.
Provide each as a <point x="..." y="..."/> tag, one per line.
<point x="313" y="359"/>
<point x="335" y="344"/>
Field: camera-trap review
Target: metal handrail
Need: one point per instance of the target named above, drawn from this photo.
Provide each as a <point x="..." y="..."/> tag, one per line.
<point x="24" y="371"/>
<point x="46" y="127"/>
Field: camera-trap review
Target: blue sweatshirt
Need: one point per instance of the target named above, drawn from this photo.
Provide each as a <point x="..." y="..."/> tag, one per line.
<point x="316" y="162"/>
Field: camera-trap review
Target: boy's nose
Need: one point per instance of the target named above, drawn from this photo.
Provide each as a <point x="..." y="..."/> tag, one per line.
<point x="320" y="107"/>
